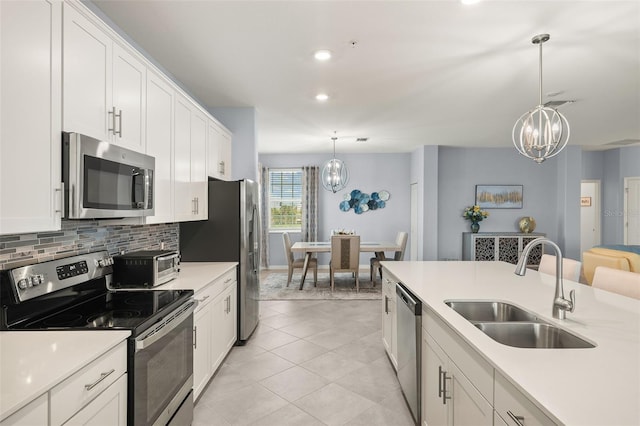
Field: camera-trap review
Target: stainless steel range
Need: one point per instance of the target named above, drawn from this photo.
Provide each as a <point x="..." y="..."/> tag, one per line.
<point x="71" y="293"/>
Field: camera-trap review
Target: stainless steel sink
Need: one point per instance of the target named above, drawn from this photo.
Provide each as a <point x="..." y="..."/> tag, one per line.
<point x="513" y="326"/>
<point x="533" y="335"/>
<point x="490" y="311"/>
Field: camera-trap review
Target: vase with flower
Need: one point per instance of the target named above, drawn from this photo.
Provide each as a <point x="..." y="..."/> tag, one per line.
<point x="475" y="215"/>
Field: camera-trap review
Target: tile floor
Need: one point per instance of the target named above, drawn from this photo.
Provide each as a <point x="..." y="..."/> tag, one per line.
<point x="309" y="362"/>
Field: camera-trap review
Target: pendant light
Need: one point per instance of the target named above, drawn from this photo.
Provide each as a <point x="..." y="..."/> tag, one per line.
<point x="334" y="173"/>
<point x="542" y="132"/>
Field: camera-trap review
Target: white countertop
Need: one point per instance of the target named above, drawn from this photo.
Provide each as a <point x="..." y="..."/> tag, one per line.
<point x="32" y="362"/>
<point x="595" y="386"/>
<point x="197" y="275"/>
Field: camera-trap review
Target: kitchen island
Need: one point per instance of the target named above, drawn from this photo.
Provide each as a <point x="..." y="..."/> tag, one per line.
<point x="589" y="386"/>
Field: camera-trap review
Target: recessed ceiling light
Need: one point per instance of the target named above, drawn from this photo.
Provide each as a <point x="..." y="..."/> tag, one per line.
<point x="322" y="55"/>
<point x="322" y="97"/>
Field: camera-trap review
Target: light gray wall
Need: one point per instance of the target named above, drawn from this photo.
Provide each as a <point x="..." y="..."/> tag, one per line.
<point x="592" y="165"/>
<point x="368" y="173"/>
<point x="424" y="172"/>
<point x="244" y="150"/>
<point x="569" y="170"/>
<point x="617" y="164"/>
<point x="460" y="169"/>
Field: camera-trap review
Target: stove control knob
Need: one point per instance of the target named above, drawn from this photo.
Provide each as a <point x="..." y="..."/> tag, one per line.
<point x="22" y="284"/>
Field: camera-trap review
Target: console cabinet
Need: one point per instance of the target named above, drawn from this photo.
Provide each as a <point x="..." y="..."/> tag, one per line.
<point x="504" y="246"/>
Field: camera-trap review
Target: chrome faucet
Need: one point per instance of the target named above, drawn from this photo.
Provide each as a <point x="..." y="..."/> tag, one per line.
<point x="560" y="304"/>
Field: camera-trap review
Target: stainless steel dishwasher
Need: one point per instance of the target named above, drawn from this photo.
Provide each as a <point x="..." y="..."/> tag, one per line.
<point x="409" y="332"/>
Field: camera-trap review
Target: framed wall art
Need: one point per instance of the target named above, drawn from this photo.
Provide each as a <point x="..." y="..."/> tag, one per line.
<point x="499" y="196"/>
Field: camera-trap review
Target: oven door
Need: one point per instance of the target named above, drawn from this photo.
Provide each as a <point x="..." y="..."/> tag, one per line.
<point x="161" y="376"/>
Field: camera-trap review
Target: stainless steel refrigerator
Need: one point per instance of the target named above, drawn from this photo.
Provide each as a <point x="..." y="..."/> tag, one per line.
<point x="231" y="234"/>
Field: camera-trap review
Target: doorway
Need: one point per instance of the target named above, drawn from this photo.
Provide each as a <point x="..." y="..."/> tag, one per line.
<point x="589" y="214"/>
<point x="632" y="210"/>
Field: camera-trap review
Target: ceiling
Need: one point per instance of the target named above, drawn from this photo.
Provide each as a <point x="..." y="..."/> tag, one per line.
<point x="403" y="74"/>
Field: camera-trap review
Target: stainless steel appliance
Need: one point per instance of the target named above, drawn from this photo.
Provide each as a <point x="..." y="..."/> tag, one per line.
<point x="409" y="348"/>
<point x="71" y="293"/>
<point x="231" y="234"/>
<point x="102" y="180"/>
<point x="145" y="268"/>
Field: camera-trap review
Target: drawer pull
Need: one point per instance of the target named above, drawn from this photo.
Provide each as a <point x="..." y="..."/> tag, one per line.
<point x="101" y="378"/>
<point x="518" y="419"/>
<point x="204" y="298"/>
<point x="228" y="280"/>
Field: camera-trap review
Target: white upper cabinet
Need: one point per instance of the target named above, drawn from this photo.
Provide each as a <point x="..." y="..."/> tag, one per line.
<point x="159" y="133"/>
<point x="190" y="138"/>
<point x="219" y="152"/>
<point x="129" y="83"/>
<point x="30" y="120"/>
<point x="104" y="84"/>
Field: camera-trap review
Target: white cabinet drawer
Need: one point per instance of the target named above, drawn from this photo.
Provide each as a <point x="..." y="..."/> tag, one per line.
<point x="74" y="393"/>
<point x="229" y="278"/>
<point x="514" y="407"/>
<point x="215" y="288"/>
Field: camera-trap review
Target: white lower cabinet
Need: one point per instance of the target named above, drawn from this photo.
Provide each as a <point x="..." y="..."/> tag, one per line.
<point x="35" y="413"/>
<point x="75" y="395"/>
<point x="108" y="408"/>
<point x="449" y="398"/>
<point x="215" y="328"/>
<point x="459" y="387"/>
<point x="94" y="395"/>
<point x="202" y="325"/>
<point x="389" y="317"/>
<point x="514" y="408"/>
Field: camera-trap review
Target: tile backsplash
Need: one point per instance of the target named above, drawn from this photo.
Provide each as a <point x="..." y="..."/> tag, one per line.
<point x="80" y="236"/>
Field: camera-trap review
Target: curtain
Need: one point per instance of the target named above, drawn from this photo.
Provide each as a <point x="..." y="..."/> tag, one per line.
<point x="264" y="216"/>
<point x="310" y="203"/>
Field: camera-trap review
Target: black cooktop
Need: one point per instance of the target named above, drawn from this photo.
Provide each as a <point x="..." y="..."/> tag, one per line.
<point x="113" y="310"/>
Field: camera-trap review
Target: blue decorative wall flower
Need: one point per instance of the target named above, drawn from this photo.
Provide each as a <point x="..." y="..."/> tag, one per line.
<point x="361" y="202"/>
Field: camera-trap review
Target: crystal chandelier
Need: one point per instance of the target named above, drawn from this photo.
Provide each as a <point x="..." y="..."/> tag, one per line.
<point x="542" y="132"/>
<point x="334" y="173"/>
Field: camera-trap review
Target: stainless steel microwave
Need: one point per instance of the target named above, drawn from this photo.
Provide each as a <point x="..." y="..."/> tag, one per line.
<point x="102" y="180"/>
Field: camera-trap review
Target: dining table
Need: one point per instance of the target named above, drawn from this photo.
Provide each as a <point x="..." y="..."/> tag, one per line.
<point x="311" y="247"/>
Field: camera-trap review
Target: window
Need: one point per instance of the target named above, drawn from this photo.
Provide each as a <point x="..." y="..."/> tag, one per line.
<point x="285" y="199"/>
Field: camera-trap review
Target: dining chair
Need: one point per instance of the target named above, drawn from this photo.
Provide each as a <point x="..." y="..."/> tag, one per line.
<point x="374" y="262"/>
<point x="345" y="257"/>
<point x="570" y="268"/>
<point x="297" y="263"/>
<point x="618" y="281"/>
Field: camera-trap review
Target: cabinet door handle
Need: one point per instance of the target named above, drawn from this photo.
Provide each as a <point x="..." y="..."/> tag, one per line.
<point x="61" y="209"/>
<point x="119" y="132"/>
<point x="519" y="420"/>
<point x="101" y="378"/>
<point x="439" y="381"/>
<point x="221" y="167"/>
<point x="195" y="337"/>
<point x="112" y="113"/>
<point x="444" y="387"/>
<point x="386" y="304"/>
